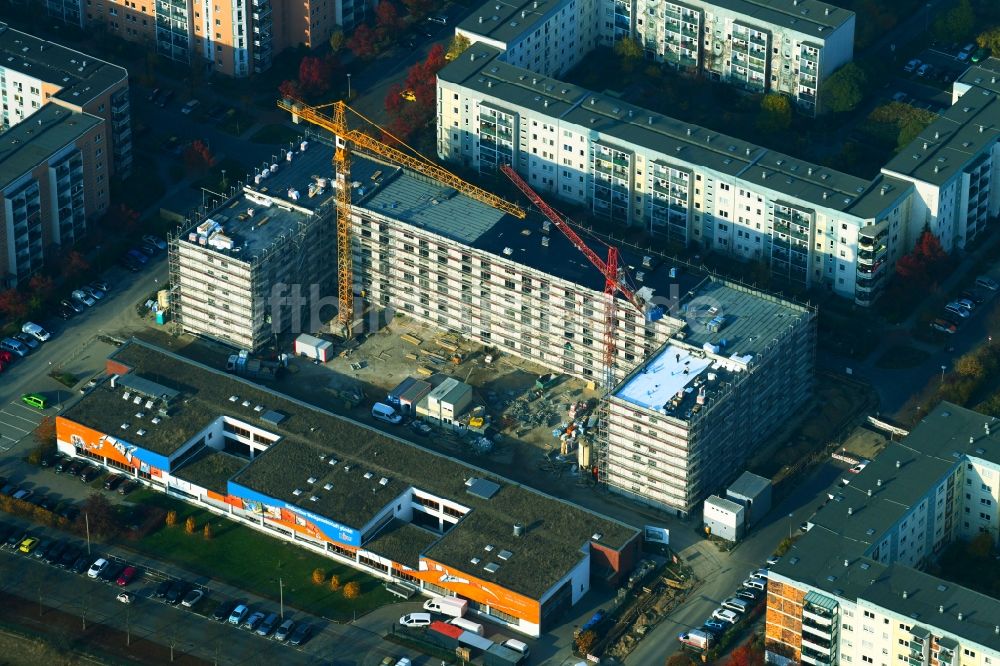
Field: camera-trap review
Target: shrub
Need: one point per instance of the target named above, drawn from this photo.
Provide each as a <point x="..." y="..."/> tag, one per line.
<point x="207" y="532"/>
<point x="352" y="590"/>
<point x="585" y="641"/>
<point x="190" y="525"/>
<point x="334" y="583"/>
<point x="319" y="576"/>
<point x="171" y="518"/>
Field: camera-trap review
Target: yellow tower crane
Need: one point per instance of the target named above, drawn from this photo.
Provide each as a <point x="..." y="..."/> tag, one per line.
<point x="335" y="121"/>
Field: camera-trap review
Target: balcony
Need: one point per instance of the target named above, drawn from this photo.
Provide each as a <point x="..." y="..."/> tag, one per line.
<point x="817" y="618"/>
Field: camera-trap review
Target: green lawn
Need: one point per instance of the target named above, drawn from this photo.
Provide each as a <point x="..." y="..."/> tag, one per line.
<point x="252" y="561"/>
<point x="275" y="134"/>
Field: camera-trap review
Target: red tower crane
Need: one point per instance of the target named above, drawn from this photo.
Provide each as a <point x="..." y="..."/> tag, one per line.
<point x="609" y="269"/>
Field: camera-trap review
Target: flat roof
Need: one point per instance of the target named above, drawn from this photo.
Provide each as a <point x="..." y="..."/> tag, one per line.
<point x="664" y="375"/>
<point x="508" y="21"/>
<point x="983" y="74"/>
<point x="508" y="87"/>
<point x="556" y="530"/>
<point x="723" y="503"/>
<point x="34" y="141"/>
<point x="749" y="485"/>
<point x="809" y="17"/>
<point x="848" y="527"/>
<point x="80" y="76"/>
<point x="948" y="145"/>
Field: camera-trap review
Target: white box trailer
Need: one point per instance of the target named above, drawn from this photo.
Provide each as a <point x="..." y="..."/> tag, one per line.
<point x="312" y="347"/>
<point x="451" y="606"/>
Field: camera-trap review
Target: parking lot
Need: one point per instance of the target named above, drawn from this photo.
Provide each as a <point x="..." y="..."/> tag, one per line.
<point x="17" y="420"/>
<point x="925" y="80"/>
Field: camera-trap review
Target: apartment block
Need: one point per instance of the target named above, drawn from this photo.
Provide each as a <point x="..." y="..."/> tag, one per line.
<point x="684" y="183"/>
<point x="235" y="39"/>
<point x="693" y="186"/>
<point x="253" y="268"/>
<point x="853" y="590"/>
<point x="547" y="37"/>
<point x="785" y="46"/>
<point x="50" y="187"/>
<point x="35" y="72"/>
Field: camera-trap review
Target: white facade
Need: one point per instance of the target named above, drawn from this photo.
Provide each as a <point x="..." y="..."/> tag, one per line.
<point x="545" y="36"/>
<point x="724" y="518"/>
<point x="789" y="47"/>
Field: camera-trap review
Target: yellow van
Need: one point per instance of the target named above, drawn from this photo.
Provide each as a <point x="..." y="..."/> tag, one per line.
<point x="35" y="400"/>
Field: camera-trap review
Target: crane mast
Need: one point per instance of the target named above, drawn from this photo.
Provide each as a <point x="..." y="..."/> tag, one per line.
<point x="349" y="139"/>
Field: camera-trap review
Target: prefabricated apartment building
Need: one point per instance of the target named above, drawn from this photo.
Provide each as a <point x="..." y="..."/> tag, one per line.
<point x="519" y="285"/>
<point x="383" y="505"/>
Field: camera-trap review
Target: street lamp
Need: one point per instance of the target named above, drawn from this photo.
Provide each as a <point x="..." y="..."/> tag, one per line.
<point x="348" y="87"/>
<point x="223" y="179"/>
<point x="943" y="368"/>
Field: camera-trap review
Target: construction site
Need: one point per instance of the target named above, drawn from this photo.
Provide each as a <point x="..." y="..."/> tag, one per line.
<point x="436" y="280"/>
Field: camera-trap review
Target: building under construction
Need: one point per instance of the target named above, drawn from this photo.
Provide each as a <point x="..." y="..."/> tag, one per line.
<point x="254" y="265"/>
<point x="519" y="285"/>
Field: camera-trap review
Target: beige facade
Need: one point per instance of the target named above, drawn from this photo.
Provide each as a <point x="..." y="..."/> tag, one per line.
<point x="53" y="181"/>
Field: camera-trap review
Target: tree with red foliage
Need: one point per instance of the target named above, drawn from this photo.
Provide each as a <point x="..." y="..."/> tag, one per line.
<point x="394" y="99"/>
<point x="290" y="89"/>
<point x="362" y="42"/>
<point x="388" y="23"/>
<point x="406" y="117"/>
<point x="198" y="156"/>
<point x="13" y="304"/>
<point x="75" y="264"/>
<point x="746" y="655"/>
<point x="315" y="74"/>
<point x="41" y="286"/>
<point x="926" y="264"/>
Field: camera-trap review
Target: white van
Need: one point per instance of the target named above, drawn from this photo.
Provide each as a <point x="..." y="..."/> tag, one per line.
<point x="467" y="625"/>
<point x="517" y="646"/>
<point x="416" y="620"/>
<point x="384" y="412"/>
<point x="734" y="604"/>
<point x="755" y="583"/>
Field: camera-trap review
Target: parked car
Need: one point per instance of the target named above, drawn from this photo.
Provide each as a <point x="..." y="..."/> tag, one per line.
<point x="23" y="494"/>
<point x="165" y="98"/>
<point x="54" y="552"/>
<point x="69" y="556"/>
<point x="158" y="242"/>
<point x="715" y="626"/>
<point x="94" y="292"/>
<point x="28" y="341"/>
<point x="912" y="65"/>
<point x="300" y="635"/>
<point x="128" y="487"/>
<point x="75" y="467"/>
<point x="956" y="308"/>
<point x="726" y="615"/>
<point x="987" y="283"/>
<point x="238" y="615"/>
<point x="97" y="568"/>
<point x="748" y="594"/>
<point x="14" y="347"/>
<point x="967" y="303"/>
<point x="147" y="249"/>
<point x="71" y="305"/>
<point x="80" y="565"/>
<point x="90" y="474"/>
<point x="28" y="545"/>
<point x="113" y="481"/>
<point x="112" y="572"/>
<point x="223" y="610"/>
<point x="177" y="591"/>
<point x="268" y="625"/>
<point x="80" y="296"/>
<point x="162" y="589"/>
<point x="966" y="52"/>
<point x="127" y="574"/>
<point x="102" y="285"/>
<point x="192" y="598"/>
<point x="980" y="54"/>
<point x="14" y="539"/>
<point x="415" y="620"/>
<point x="36" y="331"/>
<point x="129" y="263"/>
<point x="52" y="459"/>
<point x="154" y="95"/>
<point x="190" y="106"/>
<point x="138" y="256"/>
<point x="284" y="631"/>
<point x="854" y="470"/>
<point x="124" y="597"/>
<point x="925" y="69"/>
<point x="254" y="621"/>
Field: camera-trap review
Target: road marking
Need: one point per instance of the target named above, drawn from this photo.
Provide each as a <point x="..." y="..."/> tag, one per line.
<point x="14" y="427"/>
<point x="18" y="416"/>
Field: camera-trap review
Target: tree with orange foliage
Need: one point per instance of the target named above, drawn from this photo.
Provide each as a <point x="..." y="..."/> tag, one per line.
<point x="198" y="156"/>
<point x="352" y="590"/>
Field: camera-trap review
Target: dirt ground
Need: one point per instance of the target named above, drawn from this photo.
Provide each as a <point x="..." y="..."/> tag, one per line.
<point x="58" y="638"/>
<point x="864" y="443"/>
<point x="837" y="403"/>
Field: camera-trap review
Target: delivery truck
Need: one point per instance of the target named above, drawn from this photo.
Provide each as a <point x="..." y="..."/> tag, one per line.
<point x="696" y="639"/>
<point x="314" y="348"/>
<point x="450" y="606"/>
